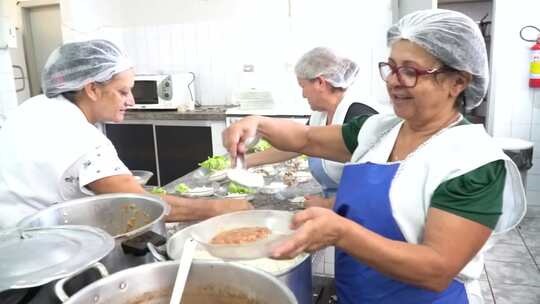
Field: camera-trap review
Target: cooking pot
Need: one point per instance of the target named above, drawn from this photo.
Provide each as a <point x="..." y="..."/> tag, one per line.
<point x="208" y="282"/>
<point x="131" y="219"/>
<point x="124" y="216"/>
<point x="295" y="274"/>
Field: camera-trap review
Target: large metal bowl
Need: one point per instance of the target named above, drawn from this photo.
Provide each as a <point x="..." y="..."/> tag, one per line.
<point x="207" y="280"/>
<point x="123" y="215"/>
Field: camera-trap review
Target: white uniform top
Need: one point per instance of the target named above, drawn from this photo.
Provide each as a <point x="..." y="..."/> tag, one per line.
<point x="50" y="152"/>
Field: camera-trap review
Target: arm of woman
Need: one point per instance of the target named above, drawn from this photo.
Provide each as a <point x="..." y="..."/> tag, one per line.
<point x="182" y="209"/>
<point x="450" y="242"/>
<point x="326" y="142"/>
<point x="463" y="212"/>
<point x="269" y="156"/>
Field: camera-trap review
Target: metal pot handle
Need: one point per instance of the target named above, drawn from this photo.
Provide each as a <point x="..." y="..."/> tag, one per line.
<point x="158" y="257"/>
<point x="59" y="286"/>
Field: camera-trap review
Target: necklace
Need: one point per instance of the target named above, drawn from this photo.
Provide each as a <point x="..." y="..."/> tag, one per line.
<point x="422" y="139"/>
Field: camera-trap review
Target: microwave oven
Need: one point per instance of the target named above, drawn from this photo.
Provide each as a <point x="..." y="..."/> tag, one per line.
<point x="164" y="92"/>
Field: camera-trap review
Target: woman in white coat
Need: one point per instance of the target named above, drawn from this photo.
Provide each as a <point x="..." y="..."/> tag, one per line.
<point x="53" y="152"/>
<point x="324" y="78"/>
<point x="424" y="189"/>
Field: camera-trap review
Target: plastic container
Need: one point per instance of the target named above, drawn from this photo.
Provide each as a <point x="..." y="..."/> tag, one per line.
<point x="277" y="221"/>
<point x="142" y="176"/>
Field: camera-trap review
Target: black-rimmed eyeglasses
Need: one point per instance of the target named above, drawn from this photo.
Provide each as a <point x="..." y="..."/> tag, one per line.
<point x="406" y="75"/>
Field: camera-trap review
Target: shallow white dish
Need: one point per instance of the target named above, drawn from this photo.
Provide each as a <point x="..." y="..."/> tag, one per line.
<point x="273" y="187"/>
<point x="275" y="267"/>
<point x="217" y="176"/>
<point x="246" y="178"/>
<point x="246" y="196"/>
<point x="302" y="176"/>
<point x="198" y="192"/>
<point x="277" y="221"/>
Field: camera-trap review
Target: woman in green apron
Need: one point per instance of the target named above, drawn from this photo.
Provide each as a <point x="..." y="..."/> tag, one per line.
<point x="424" y="189"/>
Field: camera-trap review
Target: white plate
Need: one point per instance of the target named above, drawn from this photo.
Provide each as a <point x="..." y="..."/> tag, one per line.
<point x="198" y="192"/>
<point x="273" y="187"/>
<point x="217" y="176"/>
<point x="302" y="176"/>
<point x="245" y="178"/>
<point x="246" y="196"/>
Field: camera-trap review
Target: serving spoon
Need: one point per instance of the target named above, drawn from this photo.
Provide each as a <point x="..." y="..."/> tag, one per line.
<point x="239" y="174"/>
<point x="183" y="270"/>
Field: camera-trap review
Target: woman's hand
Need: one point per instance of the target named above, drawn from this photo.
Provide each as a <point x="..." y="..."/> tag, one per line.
<point x="317" y="228"/>
<point x="235" y="135"/>
<point x="319" y="201"/>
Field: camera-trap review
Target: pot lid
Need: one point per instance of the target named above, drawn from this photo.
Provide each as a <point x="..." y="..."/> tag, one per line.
<point x="35" y="256"/>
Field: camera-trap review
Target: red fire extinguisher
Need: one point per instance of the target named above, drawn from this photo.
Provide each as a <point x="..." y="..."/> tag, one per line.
<point x="534" y="61"/>
<point x="534" y="70"/>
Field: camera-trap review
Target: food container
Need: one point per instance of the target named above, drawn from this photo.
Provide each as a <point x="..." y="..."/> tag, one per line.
<point x="142" y="176"/>
<point x="277" y="222"/>
<point x="127" y="217"/>
<point x="208" y="282"/>
<point x="294" y="273"/>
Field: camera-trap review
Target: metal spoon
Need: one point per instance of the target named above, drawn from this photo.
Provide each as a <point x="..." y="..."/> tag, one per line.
<point x="183" y="270"/>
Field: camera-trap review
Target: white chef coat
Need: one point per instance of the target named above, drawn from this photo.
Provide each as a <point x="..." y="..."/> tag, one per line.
<point x="50" y="152"/>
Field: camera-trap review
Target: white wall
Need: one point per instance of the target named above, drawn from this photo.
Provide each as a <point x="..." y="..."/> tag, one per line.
<point x="514" y="109"/>
<point x="216" y="38"/>
<point x="8" y="97"/>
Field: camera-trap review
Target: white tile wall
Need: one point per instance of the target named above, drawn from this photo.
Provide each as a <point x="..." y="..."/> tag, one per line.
<point x="514" y="107"/>
<point x="214" y="39"/>
<point x="8" y="97"/>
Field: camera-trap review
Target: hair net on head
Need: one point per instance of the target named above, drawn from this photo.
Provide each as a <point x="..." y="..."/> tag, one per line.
<point x="73" y="65"/>
<point x="454" y="39"/>
<point x="338" y="71"/>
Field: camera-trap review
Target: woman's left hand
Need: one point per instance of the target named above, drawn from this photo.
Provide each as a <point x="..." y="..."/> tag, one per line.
<point x="316" y="228"/>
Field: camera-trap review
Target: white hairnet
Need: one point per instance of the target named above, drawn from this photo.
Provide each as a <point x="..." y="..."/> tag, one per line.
<point x="338" y="71"/>
<point x="454" y="39"/>
<point x="73" y="65"/>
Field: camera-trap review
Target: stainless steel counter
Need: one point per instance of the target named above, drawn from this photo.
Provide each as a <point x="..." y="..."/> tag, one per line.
<point x="200" y="113"/>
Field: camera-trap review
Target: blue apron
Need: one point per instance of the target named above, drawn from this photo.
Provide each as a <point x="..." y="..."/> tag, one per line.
<point x="317" y="170"/>
<point x="363" y="197"/>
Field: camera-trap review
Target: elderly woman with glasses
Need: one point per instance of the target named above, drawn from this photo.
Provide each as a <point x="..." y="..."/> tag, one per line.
<point x="424" y="189"/>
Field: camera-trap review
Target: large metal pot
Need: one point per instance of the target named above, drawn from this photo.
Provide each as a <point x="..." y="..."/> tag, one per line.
<point x="132" y="220"/>
<point x="297" y="276"/>
<point x="208" y="282"/>
<point x="124" y="216"/>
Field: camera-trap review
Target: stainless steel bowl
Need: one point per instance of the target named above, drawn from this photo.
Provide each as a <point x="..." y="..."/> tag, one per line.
<point x="123" y="215"/>
<point x="153" y="283"/>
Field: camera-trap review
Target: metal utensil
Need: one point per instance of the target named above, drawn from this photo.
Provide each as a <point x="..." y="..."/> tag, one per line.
<point x="183" y="270"/>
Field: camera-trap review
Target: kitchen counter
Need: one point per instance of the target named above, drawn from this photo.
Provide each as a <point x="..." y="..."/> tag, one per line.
<point x="200" y="113"/>
<point x="277" y="201"/>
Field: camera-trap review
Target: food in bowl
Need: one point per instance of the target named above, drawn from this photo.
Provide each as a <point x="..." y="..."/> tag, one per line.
<point x="240" y="235"/>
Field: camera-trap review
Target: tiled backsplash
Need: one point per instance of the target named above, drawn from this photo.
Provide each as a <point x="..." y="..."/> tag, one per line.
<point x="215" y="46"/>
<point x="514" y="107"/>
<point x="8" y="97"/>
